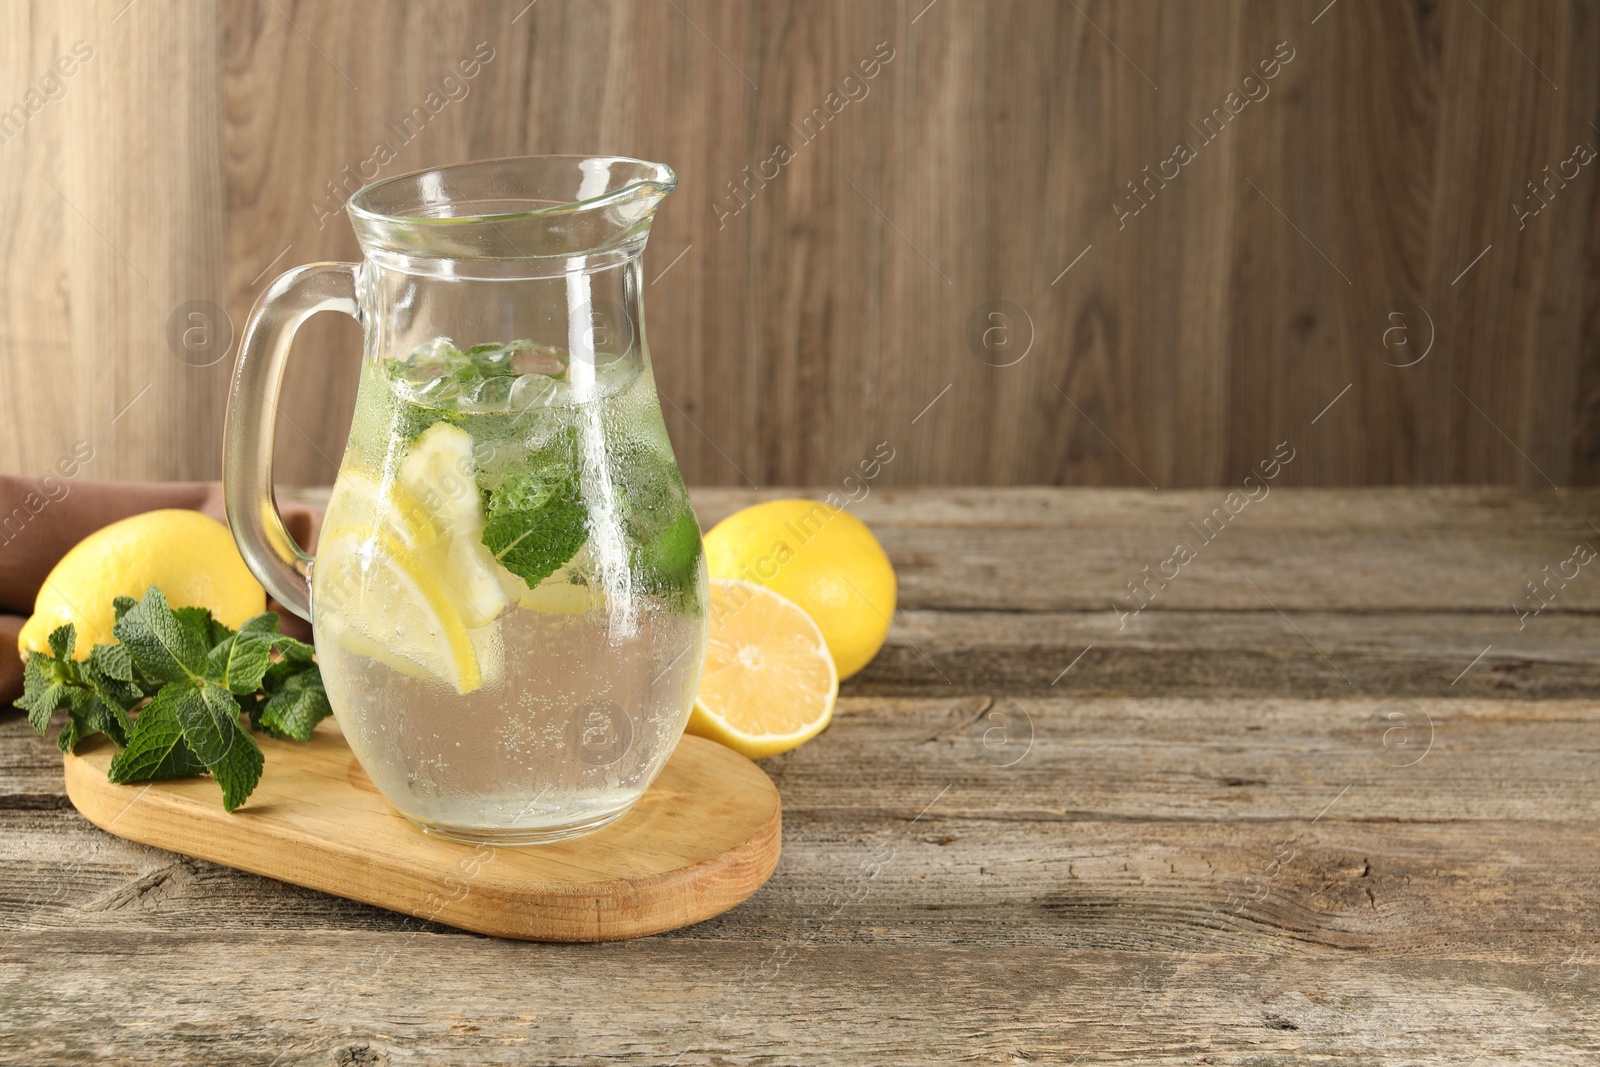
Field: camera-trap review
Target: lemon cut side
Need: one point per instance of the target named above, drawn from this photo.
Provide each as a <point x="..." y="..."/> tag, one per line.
<point x="769" y="682"/>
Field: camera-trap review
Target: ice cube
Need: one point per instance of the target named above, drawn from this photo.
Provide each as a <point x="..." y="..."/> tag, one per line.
<point x="533" y="390"/>
<point x="489" y="394"/>
<point x="539" y="359"/>
<point x="436" y="348"/>
<point x="492" y="359"/>
<point x="422" y="371"/>
<point x="440" y="392"/>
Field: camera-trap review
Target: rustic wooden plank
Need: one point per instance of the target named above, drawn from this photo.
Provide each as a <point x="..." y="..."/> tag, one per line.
<point x="1242" y="567"/>
<point x="818" y="311"/>
<point x="1038" y="570"/>
<point x="1306" y="550"/>
<point x="1402" y="890"/>
<point x="1218" y="760"/>
<point x="1200" y="842"/>
<point x="384" y="999"/>
<point x="113" y="215"/>
<point x="1398" y="513"/>
<point x="1459" y="828"/>
<point x="885" y="758"/>
<point x="1236" y="654"/>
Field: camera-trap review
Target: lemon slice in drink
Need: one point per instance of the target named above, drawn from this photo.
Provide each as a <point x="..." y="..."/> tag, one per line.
<point x="359" y="501"/>
<point x="384" y="601"/>
<point x="437" y="485"/>
<point x="769" y="682"/>
<point x="432" y="508"/>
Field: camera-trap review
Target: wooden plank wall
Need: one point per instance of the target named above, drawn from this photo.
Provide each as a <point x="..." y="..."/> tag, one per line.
<point x="1384" y="171"/>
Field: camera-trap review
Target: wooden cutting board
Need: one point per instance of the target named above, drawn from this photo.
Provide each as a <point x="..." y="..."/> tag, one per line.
<point x="704" y="838"/>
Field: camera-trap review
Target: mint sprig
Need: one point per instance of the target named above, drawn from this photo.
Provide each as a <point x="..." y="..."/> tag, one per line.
<point x="171" y="692"/>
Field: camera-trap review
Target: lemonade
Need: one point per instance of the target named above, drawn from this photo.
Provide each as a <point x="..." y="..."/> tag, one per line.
<point x="509" y="592"/>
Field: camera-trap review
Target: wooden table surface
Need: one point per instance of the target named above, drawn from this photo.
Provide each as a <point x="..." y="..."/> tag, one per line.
<point x="1327" y="799"/>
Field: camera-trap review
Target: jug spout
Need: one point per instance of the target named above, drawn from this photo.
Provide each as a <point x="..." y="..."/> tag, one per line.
<point x="518" y="217"/>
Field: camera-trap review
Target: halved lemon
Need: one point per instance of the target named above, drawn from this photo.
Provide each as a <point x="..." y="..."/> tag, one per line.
<point x="769" y="682"/>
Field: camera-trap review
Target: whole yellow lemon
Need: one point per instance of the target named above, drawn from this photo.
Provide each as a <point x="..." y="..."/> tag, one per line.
<point x="822" y="558"/>
<point x="189" y="556"/>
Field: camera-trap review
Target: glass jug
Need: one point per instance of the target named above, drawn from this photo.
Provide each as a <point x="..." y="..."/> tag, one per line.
<point x="508" y="596"/>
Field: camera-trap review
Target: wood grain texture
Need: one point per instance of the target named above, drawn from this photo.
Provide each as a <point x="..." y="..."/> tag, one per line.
<point x="1199" y="844"/>
<point x="796" y="325"/>
<point x="704" y="838"/>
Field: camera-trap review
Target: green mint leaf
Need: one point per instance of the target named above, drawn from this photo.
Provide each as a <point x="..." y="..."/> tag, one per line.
<point x="209" y="716"/>
<point x="295" y="659"/>
<point x="669" y="564"/>
<point x="163" y="647"/>
<point x="198" y="621"/>
<point x="50" y="684"/>
<point x="535" y="520"/>
<point x="63" y="640"/>
<point x="296" y="708"/>
<point x="535" y="544"/>
<point x="210" y="726"/>
<point x="113" y="661"/>
<point x="67" y="739"/>
<point x="240" y="770"/>
<point x="218" y="632"/>
<point x="241" y="659"/>
<point x="156" y="750"/>
<point x="546" y="483"/>
<point x="293" y="650"/>
<point x="197" y="674"/>
<point x="92" y="713"/>
<point x="120" y="606"/>
<point x="265" y="623"/>
<point x="111" y="672"/>
<point x="42" y="690"/>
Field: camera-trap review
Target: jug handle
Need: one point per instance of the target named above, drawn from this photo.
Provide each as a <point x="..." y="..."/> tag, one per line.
<point x="270" y="551"/>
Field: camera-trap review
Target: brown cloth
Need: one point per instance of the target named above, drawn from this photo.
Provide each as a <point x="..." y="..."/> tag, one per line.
<point x="42" y="518"/>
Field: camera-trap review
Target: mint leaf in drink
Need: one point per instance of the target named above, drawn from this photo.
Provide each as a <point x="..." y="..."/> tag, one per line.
<point x="495" y="360"/>
<point x="535" y="543"/>
<point x="669" y="565"/>
<point x="535" y="518"/>
<point x="156" y="750"/>
<point x="544" y="481"/>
